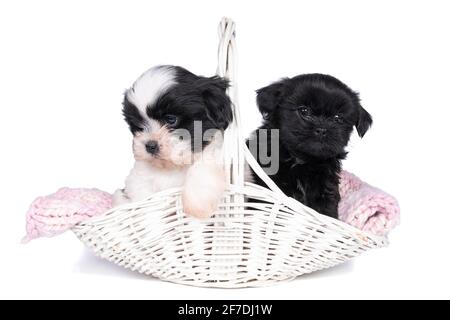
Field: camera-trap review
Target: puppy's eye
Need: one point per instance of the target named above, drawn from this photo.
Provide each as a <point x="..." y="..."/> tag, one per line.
<point x="171" y="120"/>
<point x="338" y="118"/>
<point x="304" y="111"/>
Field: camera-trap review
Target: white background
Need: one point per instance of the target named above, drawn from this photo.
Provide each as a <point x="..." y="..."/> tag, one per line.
<point x="65" y="65"/>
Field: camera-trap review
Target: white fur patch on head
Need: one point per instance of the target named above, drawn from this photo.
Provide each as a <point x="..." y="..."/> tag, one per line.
<point x="151" y="85"/>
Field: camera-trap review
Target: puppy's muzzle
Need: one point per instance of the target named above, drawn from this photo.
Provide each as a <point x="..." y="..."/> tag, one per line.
<point x="152" y="147"/>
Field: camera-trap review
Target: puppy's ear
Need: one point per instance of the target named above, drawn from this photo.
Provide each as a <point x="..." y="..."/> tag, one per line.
<point x="269" y="98"/>
<point x="364" y="121"/>
<point x="217" y="102"/>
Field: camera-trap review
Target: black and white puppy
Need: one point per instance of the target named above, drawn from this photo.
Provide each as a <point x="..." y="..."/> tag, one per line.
<point x="315" y="115"/>
<point x="177" y="119"/>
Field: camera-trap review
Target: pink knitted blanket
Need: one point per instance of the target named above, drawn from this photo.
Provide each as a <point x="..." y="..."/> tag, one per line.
<point x="362" y="206"/>
<point x="366" y="207"/>
<point x="53" y="214"/>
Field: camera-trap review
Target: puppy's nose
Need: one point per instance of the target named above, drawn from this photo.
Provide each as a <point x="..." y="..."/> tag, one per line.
<point x="152" y="147"/>
<point x="320" y="132"/>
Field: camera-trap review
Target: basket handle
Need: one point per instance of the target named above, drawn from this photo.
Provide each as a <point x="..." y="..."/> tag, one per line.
<point x="236" y="151"/>
<point x="226" y="68"/>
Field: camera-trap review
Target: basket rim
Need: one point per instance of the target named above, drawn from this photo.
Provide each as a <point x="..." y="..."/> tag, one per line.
<point x="232" y="189"/>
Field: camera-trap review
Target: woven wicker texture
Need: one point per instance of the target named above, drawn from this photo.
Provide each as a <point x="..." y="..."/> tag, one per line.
<point x="257" y="237"/>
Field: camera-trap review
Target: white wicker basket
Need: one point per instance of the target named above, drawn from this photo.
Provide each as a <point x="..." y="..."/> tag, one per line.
<point x="244" y="244"/>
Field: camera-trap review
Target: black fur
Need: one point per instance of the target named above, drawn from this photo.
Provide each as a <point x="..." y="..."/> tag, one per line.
<point x="192" y="98"/>
<point x="132" y="116"/>
<point x="312" y="140"/>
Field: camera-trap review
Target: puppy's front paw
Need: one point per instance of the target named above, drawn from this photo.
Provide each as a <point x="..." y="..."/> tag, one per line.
<point x="203" y="191"/>
<point x="198" y="205"/>
<point x="119" y="198"/>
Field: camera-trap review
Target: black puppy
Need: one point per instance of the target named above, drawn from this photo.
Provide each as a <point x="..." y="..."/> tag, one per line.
<point x="315" y="115"/>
